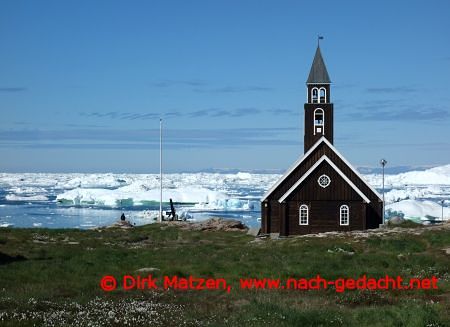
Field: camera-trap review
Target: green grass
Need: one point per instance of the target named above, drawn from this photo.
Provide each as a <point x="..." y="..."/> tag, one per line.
<point x="406" y="224"/>
<point x="63" y="268"/>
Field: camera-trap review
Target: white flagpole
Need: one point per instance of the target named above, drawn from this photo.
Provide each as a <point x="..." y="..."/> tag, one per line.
<point x="160" y="170"/>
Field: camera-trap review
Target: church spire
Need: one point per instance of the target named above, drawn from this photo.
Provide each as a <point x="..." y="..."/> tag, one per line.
<point x="318" y="73"/>
<point x="318" y="106"/>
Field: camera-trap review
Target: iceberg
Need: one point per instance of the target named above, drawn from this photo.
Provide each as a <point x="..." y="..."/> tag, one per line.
<point x="137" y="194"/>
<point x="228" y="205"/>
<point x="433" y="176"/>
<point x="415" y="193"/>
<point x="420" y="210"/>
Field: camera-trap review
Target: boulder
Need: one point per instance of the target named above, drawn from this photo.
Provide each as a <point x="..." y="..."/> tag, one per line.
<point x="211" y="224"/>
<point x="122" y="224"/>
<point x="396" y="220"/>
<point x="220" y="224"/>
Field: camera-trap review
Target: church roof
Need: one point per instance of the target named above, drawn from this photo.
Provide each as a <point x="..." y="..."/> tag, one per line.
<point x="318" y="73"/>
<point x="308" y="154"/>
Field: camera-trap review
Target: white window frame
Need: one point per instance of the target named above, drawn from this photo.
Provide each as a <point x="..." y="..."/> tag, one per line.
<point x="312" y="95"/>
<point x="322" y="125"/>
<point x="344" y="215"/>
<point x="325" y="95"/>
<point x="326" y="176"/>
<point x="303" y="209"/>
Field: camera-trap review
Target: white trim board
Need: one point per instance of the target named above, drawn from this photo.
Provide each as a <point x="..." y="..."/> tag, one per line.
<point x="291" y="169"/>
<point x="301" y="159"/>
<point x="310" y="170"/>
<point x="353" y="169"/>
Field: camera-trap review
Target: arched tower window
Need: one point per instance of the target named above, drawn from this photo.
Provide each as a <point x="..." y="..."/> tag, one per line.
<point x="303" y="215"/>
<point x="315" y="95"/>
<point x="344" y="214"/>
<point x="319" y="118"/>
<point x="322" y="95"/>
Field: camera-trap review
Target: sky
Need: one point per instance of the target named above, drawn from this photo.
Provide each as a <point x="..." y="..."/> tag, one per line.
<point x="83" y="84"/>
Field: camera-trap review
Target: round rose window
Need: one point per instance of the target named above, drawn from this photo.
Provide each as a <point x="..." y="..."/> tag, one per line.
<point x="324" y="181"/>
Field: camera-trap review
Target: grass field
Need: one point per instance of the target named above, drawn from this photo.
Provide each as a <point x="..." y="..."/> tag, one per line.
<point x="52" y="277"/>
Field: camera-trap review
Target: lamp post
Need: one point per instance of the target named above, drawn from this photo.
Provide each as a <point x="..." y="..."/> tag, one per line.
<point x="160" y="170"/>
<point x="383" y="163"/>
<point x="442" y="216"/>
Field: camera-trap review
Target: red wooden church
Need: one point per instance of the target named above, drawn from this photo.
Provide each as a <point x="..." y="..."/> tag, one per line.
<point x="321" y="191"/>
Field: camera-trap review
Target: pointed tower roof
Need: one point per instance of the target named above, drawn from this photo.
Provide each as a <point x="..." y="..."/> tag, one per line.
<point x="318" y="73"/>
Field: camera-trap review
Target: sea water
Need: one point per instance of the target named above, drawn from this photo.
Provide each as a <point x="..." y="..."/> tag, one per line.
<point x="92" y="200"/>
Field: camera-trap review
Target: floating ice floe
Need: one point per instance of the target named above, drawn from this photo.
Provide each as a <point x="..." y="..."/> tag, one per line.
<point x="108" y="181"/>
<point x="208" y="191"/>
<point x="244" y="176"/>
<point x="32" y="198"/>
<point x="29" y="190"/>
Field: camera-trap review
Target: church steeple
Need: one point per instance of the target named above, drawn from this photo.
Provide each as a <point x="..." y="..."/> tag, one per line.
<point x="318" y="73"/>
<point x="318" y="106"/>
<point x="321" y="191"/>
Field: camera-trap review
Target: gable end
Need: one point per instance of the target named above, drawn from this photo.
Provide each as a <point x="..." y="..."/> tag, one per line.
<point x="289" y="175"/>
<point x="314" y="167"/>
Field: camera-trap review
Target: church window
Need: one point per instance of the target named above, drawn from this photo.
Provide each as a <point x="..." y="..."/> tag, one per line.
<point x="323" y="95"/>
<point x="318" y="117"/>
<point x="315" y="95"/>
<point x="303" y="212"/>
<point x="344" y="214"/>
<point x="324" y="181"/>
